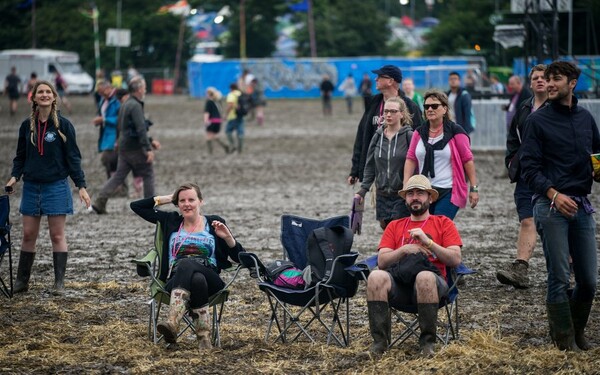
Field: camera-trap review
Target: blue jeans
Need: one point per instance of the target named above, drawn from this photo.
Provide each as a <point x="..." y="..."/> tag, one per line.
<point x="236" y="124"/>
<point x="444" y="207"/>
<point x="561" y="237"/>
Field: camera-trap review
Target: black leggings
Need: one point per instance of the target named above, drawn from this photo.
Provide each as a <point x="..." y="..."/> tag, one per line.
<point x="199" y="280"/>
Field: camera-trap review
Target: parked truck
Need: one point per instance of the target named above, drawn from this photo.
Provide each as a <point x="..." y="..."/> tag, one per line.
<point x="45" y="62"/>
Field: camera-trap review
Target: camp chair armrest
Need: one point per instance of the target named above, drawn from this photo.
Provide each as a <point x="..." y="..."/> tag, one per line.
<point x="362" y="269"/>
<point x="144" y="265"/>
<point x="237" y="271"/>
<point x="254" y="265"/>
<point x="342" y="261"/>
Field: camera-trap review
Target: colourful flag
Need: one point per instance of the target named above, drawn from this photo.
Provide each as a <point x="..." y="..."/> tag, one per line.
<point x="180" y="8"/>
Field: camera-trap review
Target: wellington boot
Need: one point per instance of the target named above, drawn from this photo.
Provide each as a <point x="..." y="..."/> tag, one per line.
<point x="580" y="311"/>
<point x="202" y="327"/>
<point x="24" y="272"/>
<point x="60" y="266"/>
<point x="380" y="325"/>
<point x="561" y="326"/>
<point x="177" y="309"/>
<point x="99" y="206"/>
<point x="427" y="315"/>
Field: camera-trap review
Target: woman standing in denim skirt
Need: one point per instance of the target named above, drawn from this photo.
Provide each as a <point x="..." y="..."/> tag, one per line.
<point x="47" y="154"/>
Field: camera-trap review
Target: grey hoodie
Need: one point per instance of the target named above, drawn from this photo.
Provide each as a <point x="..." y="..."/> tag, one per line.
<point x="385" y="161"/>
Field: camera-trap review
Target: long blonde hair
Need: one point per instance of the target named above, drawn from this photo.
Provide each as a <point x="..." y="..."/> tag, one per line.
<point x="406" y="116"/>
<point x="33" y="117"/>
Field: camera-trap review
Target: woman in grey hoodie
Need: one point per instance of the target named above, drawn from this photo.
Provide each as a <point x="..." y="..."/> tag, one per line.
<point x="385" y="162"/>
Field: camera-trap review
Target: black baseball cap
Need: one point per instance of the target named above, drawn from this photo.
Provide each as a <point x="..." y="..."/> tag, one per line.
<point x="391" y="71"/>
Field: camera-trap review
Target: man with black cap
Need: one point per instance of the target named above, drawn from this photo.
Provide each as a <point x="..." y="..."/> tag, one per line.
<point x="387" y="82"/>
<point x="421" y="245"/>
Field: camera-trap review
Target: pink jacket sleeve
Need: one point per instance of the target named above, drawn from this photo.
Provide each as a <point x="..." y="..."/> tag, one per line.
<point x="463" y="147"/>
<point x="414" y="141"/>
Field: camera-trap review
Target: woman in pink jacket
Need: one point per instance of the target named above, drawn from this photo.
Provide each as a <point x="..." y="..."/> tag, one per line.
<point x="440" y="149"/>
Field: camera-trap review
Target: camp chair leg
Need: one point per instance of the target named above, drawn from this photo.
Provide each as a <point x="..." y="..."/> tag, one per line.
<point x="152" y="320"/>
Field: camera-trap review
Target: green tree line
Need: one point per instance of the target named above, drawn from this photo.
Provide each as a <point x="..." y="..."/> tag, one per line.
<point x="342" y="28"/>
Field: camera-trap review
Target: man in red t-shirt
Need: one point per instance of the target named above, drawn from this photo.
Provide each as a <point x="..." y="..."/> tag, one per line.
<point x="432" y="235"/>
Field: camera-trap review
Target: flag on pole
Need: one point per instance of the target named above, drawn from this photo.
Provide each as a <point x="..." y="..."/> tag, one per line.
<point x="179" y="8"/>
<point x="89" y="13"/>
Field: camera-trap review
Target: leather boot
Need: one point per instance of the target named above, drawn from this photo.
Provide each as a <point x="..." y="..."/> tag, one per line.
<point x="580" y="311"/>
<point x="202" y="326"/>
<point x="561" y="325"/>
<point x="99" y="205"/>
<point x="60" y="266"/>
<point x="427" y="315"/>
<point x="177" y="309"/>
<point x="24" y="272"/>
<point x="380" y="325"/>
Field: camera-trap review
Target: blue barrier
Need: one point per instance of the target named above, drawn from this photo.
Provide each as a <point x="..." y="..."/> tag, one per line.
<point x="300" y="78"/>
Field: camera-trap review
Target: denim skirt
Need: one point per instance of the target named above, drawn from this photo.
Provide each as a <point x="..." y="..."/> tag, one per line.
<point x="46" y="199"/>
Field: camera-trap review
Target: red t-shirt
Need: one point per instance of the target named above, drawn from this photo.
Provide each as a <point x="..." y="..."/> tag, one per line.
<point x="440" y="228"/>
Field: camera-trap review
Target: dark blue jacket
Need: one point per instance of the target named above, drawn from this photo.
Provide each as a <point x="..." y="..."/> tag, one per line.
<point x="54" y="160"/>
<point x="462" y="110"/>
<point x="556" y="149"/>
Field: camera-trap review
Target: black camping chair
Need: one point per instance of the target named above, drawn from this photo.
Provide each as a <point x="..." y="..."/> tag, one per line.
<point x="5" y="246"/>
<point x="294" y="311"/>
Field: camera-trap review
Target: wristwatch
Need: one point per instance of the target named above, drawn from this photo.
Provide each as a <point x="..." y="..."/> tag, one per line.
<point x="474" y="189"/>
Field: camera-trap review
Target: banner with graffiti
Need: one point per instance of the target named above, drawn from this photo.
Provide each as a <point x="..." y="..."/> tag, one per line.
<point x="300" y="78"/>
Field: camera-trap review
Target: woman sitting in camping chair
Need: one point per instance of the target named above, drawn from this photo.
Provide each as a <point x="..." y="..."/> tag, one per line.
<point x="195" y="249"/>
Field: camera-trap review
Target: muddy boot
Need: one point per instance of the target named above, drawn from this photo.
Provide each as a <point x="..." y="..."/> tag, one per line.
<point x="515" y="274"/>
<point x="209" y="146"/>
<point x="177" y="309"/>
<point x="202" y="326"/>
<point x="223" y="144"/>
<point x="380" y="325"/>
<point x="240" y="144"/>
<point x="99" y="206"/>
<point x="427" y="314"/>
<point x="231" y="143"/>
<point x="580" y="311"/>
<point x="60" y="266"/>
<point x="561" y="325"/>
<point x="24" y="272"/>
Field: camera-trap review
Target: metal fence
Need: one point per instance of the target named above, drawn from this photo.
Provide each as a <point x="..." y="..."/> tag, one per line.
<point x="490" y="133"/>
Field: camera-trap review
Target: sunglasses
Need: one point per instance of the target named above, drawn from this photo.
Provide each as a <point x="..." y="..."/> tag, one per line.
<point x="432" y="106"/>
<point x="392" y="111"/>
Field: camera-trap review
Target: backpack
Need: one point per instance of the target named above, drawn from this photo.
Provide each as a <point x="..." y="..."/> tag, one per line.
<point x="323" y="246"/>
<point x="283" y="273"/>
<point x="244" y="105"/>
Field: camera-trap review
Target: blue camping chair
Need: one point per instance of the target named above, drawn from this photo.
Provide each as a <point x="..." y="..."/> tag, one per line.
<point x="293" y="311"/>
<point x="5" y="245"/>
<point x="406" y="315"/>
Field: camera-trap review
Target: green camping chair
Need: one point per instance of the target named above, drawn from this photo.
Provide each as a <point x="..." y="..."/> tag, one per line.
<point x="150" y="266"/>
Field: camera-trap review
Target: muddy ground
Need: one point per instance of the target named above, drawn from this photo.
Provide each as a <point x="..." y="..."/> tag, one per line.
<point x="296" y="163"/>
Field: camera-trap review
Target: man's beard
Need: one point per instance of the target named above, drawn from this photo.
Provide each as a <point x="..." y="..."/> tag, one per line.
<point x="418" y="211"/>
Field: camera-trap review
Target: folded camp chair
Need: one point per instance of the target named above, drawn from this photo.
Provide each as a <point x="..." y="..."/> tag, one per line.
<point x="293" y="311"/>
<point x="150" y="266"/>
<point x="406" y="315"/>
<point x="5" y="246"/>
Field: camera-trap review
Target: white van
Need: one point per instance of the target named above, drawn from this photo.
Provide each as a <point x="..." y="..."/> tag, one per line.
<point x="44" y="62"/>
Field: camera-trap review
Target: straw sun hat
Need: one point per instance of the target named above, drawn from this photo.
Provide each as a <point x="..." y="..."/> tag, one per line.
<point x="420" y="182"/>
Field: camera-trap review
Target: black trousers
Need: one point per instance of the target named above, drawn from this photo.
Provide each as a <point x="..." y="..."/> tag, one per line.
<point x="201" y="281"/>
